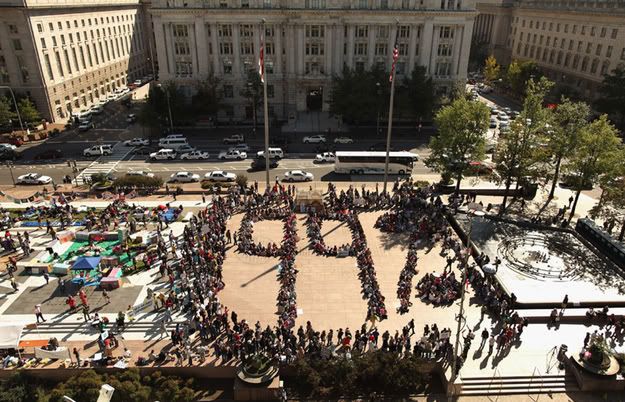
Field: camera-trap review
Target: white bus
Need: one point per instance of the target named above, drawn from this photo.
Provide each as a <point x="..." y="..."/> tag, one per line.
<point x="372" y="162"/>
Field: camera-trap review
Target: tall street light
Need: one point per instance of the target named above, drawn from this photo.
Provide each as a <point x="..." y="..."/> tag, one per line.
<point x="378" y="92"/>
<point x="17" y="110"/>
<point x="171" y="120"/>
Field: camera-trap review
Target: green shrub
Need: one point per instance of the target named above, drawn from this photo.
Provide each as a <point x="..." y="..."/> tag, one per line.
<point x="99" y="178"/>
<point x="421" y="183"/>
<point x="242" y="181"/>
<point x="140" y="182"/>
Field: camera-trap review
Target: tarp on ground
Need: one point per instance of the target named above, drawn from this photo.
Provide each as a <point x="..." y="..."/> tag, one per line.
<point x="10" y="335"/>
<point x="86" y="263"/>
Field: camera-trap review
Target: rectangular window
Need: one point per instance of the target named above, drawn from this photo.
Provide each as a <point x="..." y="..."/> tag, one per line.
<point x="89" y="56"/>
<point x="314" y="49"/>
<point x="592" y="31"/>
<point x="404" y="31"/>
<point x="43" y="43"/>
<point x="46" y="58"/>
<point x="446" y="32"/>
<point x="403" y="49"/>
<point x="228" y="91"/>
<point x="315" y="31"/>
<point x="598" y="50"/>
<point x="75" y="59"/>
<point x="57" y="57"/>
<point x="82" y="58"/>
<point x="246" y="31"/>
<point x="444" y="49"/>
<point x="269" y="48"/>
<point x="13" y="29"/>
<point x="360" y="49"/>
<point x="247" y="48"/>
<point x="225" y="48"/>
<point x="225" y="30"/>
<point x="17" y="44"/>
<point x="69" y="66"/>
<point x="362" y="31"/>
<point x="23" y="68"/>
<point x="62" y="39"/>
<point x="381" y="49"/>
<point x="227" y="68"/>
<point x="604" y="31"/>
<point x="39" y="28"/>
<point x="51" y="26"/>
<point x="382" y="32"/>
<point x="608" y="52"/>
<point x="614" y="33"/>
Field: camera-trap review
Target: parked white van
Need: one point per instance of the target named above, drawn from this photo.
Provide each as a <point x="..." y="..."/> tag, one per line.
<point x="274" y="153"/>
<point x="172" y="143"/>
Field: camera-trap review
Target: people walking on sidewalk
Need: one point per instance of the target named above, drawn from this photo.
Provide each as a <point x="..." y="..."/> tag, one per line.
<point x="85" y="312"/>
<point x="105" y="295"/>
<point x="39" y="314"/>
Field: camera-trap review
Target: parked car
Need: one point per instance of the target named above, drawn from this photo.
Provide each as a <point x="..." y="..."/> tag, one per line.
<point x="314" y="139"/>
<point x="7" y="154"/>
<point x="49" y="154"/>
<point x="232" y="155"/>
<point x="185" y="148"/>
<point x="273" y="153"/>
<point x="480" y="168"/>
<point x="139" y="173"/>
<point x="343" y="140"/>
<point x="145" y="150"/>
<point x="6" y="146"/>
<point x="298" y="175"/>
<point x="240" y="147"/>
<point x="233" y="139"/>
<point x="136" y="142"/>
<point x="85" y="126"/>
<point x="326" y="157"/>
<point x="220" y="176"/>
<point x="184" y="177"/>
<point x="97" y="109"/>
<point x="163" y="154"/>
<point x="33" y="178"/>
<point x="261" y="163"/>
<point x="98" y="150"/>
<point x="194" y="155"/>
<point x="131" y="118"/>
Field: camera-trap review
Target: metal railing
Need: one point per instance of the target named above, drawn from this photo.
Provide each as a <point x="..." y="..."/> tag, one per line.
<point x="496" y="374"/>
<point x="529" y="386"/>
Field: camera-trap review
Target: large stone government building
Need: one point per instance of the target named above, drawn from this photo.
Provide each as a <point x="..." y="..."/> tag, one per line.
<point x="307" y="41"/>
<point x="574" y="42"/>
<point x="65" y="55"/>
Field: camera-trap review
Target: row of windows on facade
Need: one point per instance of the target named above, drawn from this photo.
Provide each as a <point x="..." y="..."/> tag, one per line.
<point x="133" y="72"/>
<point x="84" y="22"/>
<point x="585" y="29"/>
<point x="314" y="31"/>
<point x="105" y="47"/>
<point x="567" y="60"/>
<point x="562" y="43"/>
<point x="362" y="4"/>
<point x="136" y="36"/>
<point x="5" y="77"/>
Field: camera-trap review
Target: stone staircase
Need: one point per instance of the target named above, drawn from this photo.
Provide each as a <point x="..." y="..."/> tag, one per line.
<point x="106" y="163"/>
<point x="517" y="385"/>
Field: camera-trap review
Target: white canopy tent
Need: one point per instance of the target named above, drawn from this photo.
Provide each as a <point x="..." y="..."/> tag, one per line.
<point x="10" y="335"/>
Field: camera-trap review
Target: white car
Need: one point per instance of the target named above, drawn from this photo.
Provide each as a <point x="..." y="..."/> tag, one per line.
<point x="343" y="140"/>
<point x="298" y="175"/>
<point x="85" y="126"/>
<point x="33" y="178"/>
<point x="136" y="142"/>
<point x="220" y="175"/>
<point x="314" y="139"/>
<point x="184" y="177"/>
<point x="233" y="154"/>
<point x="9" y="147"/>
<point x="131" y="118"/>
<point x="98" y="150"/>
<point x="139" y="173"/>
<point x="185" y="148"/>
<point x="163" y="154"/>
<point x="195" y="155"/>
<point x="240" y="147"/>
<point x="326" y="157"/>
<point x="97" y="109"/>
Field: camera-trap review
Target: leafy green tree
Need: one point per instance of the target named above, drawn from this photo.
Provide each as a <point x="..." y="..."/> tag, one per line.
<point x="478" y="55"/>
<point x="597" y="152"/>
<point x="207" y="99"/>
<point x="253" y="92"/>
<point x="518" y="73"/>
<point x="419" y="91"/>
<point x="355" y="95"/>
<point x="560" y="137"/>
<point x="6" y="114"/>
<point x="28" y="112"/>
<point x="83" y="387"/>
<point x="460" y="139"/>
<point x="516" y="151"/>
<point x="612" y="90"/>
<point x="491" y="69"/>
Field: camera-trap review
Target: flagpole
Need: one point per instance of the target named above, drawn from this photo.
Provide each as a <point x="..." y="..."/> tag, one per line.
<point x="390" y="114"/>
<point x="266" y="107"/>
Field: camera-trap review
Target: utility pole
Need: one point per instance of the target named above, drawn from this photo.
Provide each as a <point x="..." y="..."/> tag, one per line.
<point x="390" y="107"/>
<point x="263" y="78"/>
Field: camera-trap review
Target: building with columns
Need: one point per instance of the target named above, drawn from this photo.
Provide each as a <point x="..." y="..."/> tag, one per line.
<point x="67" y="55"/>
<point x="307" y="42"/>
<point x="575" y="43"/>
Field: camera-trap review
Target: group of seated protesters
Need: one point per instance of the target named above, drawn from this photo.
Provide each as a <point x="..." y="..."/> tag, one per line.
<point x="439" y="290"/>
<point x="287" y="306"/>
<point x="313" y="228"/>
<point x="246" y="242"/>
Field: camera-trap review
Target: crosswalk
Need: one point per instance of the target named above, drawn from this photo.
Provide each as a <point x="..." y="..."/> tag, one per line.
<point x="106" y="163"/>
<point x="81" y="329"/>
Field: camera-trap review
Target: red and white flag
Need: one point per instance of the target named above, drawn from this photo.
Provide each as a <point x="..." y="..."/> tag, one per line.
<point x="261" y="57"/>
<point x="395" y="56"/>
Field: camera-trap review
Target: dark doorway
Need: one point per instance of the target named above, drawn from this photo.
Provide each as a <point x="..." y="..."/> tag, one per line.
<point x="314" y="99"/>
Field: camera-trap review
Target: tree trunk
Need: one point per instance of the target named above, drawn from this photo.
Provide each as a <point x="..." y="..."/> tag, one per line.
<point x="574" y="204"/>
<point x="458" y="179"/>
<point x="505" y="195"/>
<point x="556" y="176"/>
<point x="622" y="234"/>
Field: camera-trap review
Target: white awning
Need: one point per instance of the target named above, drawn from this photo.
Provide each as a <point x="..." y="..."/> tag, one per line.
<point x="10" y="335"/>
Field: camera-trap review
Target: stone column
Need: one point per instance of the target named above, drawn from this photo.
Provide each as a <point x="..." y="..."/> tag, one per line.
<point x="434" y="49"/>
<point x="350" y="45"/>
<point x="371" y="45"/>
<point x="291" y="54"/>
<point x="427" y="39"/>
<point x="465" y="46"/>
<point x="277" y="46"/>
<point x="328" y="47"/>
<point x="412" y="47"/>
<point x="236" y="44"/>
<point x="300" y="50"/>
<point x="457" y="43"/>
<point x="215" y="44"/>
<point x="161" y="48"/>
<point x="172" y="52"/>
<point x="337" y="46"/>
<point x="201" y="49"/>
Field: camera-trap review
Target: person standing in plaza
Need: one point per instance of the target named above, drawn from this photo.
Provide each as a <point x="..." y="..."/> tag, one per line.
<point x="163" y="328"/>
<point x="105" y="295"/>
<point x="491" y="343"/>
<point x="85" y="312"/>
<point x="484" y="338"/>
<point x="13" y="285"/>
<point x="46" y="276"/>
<point x="77" y="356"/>
<point x="62" y="286"/>
<point x="38" y="313"/>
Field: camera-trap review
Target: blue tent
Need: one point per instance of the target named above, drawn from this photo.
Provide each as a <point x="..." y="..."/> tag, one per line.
<point x="86" y="263"/>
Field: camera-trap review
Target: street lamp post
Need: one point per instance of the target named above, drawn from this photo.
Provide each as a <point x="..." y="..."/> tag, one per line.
<point x="9" y="164"/>
<point x="171" y="120"/>
<point x="461" y="318"/>
<point x="17" y="110"/>
<point x="378" y="92"/>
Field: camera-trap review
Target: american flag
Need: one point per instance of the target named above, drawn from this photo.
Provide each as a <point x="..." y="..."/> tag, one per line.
<point x="395" y="56"/>
<point x="261" y="57"/>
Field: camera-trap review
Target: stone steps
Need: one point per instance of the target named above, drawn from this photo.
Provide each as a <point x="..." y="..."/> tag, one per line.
<point x="511" y="385"/>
